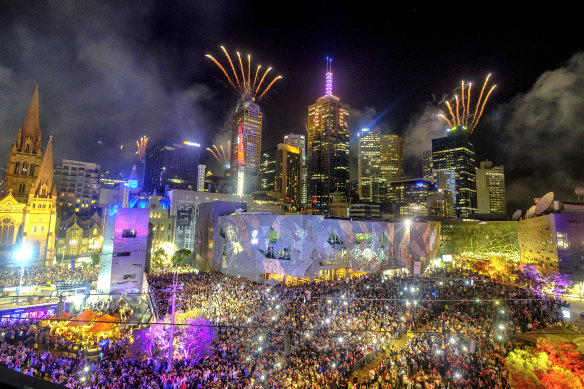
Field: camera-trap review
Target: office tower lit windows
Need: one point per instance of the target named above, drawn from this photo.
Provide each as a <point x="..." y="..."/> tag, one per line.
<point x="392" y="158"/>
<point x="246" y="147"/>
<point x="491" y="188"/>
<point x="77" y="184"/>
<point x="368" y="165"/>
<point x="327" y="148"/>
<point x="427" y="172"/>
<point x="268" y="169"/>
<point x="456" y="152"/>
<point x="288" y="175"/>
<point x="299" y="141"/>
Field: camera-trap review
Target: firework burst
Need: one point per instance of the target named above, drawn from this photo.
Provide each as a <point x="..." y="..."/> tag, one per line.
<point x="246" y="88"/>
<point x="464" y="117"/>
<point x="141" y="153"/>
<point x="219" y="154"/>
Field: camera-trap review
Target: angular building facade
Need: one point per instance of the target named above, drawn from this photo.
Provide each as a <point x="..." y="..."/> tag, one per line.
<point x="312" y="246"/>
<point x="125" y="250"/>
<point x="491" y="189"/>
<point x="456" y="152"/>
<point x="327" y="148"/>
<point x="246" y="147"/>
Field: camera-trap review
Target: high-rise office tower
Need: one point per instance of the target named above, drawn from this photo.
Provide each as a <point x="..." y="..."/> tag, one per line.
<point x="369" y="165"/>
<point x="299" y="141"/>
<point x="392" y="158"/>
<point x="77" y="184"/>
<point x="427" y="172"/>
<point x="288" y="174"/>
<point x="268" y="169"/>
<point x="491" y="188"/>
<point x="246" y="147"/>
<point x="380" y="162"/>
<point x="173" y="164"/>
<point x="456" y="152"/>
<point x="327" y="147"/>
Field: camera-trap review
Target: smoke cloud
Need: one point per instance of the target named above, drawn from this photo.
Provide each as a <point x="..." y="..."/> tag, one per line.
<point x="101" y="76"/>
<point x="541" y="136"/>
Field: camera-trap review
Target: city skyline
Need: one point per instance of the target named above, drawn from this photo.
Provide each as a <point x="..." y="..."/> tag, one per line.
<point x="116" y="84"/>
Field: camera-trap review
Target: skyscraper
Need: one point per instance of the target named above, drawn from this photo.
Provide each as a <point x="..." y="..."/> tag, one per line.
<point x="380" y="162"/>
<point x="299" y="141"/>
<point x="491" y="188"/>
<point x="392" y="158"/>
<point x="246" y="147"/>
<point x="288" y="175"/>
<point x="327" y="147"/>
<point x="268" y="169"/>
<point x="456" y="152"/>
<point x="369" y="165"/>
<point x="171" y="163"/>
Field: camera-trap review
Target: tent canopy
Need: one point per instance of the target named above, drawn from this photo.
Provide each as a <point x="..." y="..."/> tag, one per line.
<point x="83" y="318"/>
<point x="103" y="324"/>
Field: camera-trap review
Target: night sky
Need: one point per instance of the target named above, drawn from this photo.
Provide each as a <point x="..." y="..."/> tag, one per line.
<point x="112" y="72"/>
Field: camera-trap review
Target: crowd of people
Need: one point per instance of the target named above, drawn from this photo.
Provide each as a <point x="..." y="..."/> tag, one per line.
<point x="458" y="327"/>
<point x="46" y="275"/>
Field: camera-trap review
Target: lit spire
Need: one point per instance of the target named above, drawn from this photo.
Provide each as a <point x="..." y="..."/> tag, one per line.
<point x="328" y="86"/>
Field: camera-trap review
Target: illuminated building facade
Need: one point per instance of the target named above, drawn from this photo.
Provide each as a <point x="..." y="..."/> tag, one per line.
<point x="491" y="189"/>
<point x="380" y="162"/>
<point x="327" y="148"/>
<point x="369" y="165"/>
<point x="299" y="141"/>
<point x="409" y="197"/>
<point x="456" y="152"/>
<point x="268" y="169"/>
<point x="79" y="237"/>
<point x="125" y="250"/>
<point x="427" y="165"/>
<point x="77" y="184"/>
<point x="171" y="164"/>
<point x="312" y="246"/>
<point x="246" y="147"/>
<point x="476" y="240"/>
<point x="28" y="207"/>
<point x="25" y="155"/>
<point x="392" y="158"/>
<point x="162" y="225"/>
<point x="288" y="181"/>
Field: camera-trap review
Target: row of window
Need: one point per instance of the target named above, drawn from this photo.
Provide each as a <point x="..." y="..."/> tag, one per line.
<point x="25" y="169"/>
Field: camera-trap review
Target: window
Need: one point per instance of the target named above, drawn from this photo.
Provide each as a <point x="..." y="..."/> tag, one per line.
<point x="21" y="187"/>
<point x="122" y="254"/>
<point x="24" y="168"/>
<point x="6" y="231"/>
<point x="129" y="233"/>
<point x="129" y="276"/>
<point x="17" y="168"/>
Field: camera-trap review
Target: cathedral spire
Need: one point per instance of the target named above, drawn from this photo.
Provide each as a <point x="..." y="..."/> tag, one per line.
<point x="44" y="185"/>
<point x="31" y="126"/>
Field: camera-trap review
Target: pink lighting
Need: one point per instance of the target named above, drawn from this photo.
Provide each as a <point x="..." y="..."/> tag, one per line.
<point x="328" y="86"/>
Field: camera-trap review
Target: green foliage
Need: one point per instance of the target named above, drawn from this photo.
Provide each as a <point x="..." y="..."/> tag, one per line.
<point x="95" y="259"/>
<point x="158" y="258"/>
<point x="180" y="256"/>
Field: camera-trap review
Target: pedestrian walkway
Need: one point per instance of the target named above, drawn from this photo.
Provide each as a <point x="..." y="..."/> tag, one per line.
<point x="363" y="372"/>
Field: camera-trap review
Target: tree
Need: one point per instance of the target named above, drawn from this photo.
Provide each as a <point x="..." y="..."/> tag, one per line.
<point x="95" y="259"/>
<point x="159" y="258"/>
<point x="180" y="256"/>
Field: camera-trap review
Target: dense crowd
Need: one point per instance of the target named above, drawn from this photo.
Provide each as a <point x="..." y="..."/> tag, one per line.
<point x="316" y="335"/>
<point x="43" y="275"/>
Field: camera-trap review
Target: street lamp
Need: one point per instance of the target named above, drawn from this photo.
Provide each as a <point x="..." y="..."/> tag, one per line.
<point x="22" y="254"/>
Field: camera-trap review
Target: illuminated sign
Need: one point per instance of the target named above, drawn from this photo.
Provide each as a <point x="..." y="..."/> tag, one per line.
<point x="446" y="258"/>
